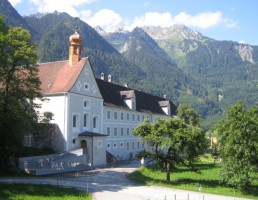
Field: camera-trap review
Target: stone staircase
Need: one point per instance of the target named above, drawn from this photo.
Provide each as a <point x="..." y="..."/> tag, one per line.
<point x="55" y="163"/>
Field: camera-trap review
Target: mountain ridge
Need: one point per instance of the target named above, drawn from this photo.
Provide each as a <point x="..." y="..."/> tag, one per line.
<point x="188" y="67"/>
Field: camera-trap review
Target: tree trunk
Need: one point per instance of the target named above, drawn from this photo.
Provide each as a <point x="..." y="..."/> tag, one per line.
<point x="168" y="169"/>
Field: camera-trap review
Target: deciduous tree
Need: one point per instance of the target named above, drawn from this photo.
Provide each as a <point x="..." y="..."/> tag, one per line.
<point x="19" y="85"/>
<point x="173" y="142"/>
<point x="238" y="142"/>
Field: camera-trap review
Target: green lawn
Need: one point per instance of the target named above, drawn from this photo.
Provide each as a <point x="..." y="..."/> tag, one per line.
<point x="183" y="178"/>
<point x="40" y="192"/>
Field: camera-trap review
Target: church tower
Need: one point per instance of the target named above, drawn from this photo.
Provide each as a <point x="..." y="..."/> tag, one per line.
<point x="75" y="48"/>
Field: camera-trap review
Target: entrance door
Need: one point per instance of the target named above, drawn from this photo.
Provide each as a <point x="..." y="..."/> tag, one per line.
<point x="83" y="144"/>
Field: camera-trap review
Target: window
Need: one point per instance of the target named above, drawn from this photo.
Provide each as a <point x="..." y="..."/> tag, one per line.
<point x="75" y="51"/>
<point x="108" y="130"/>
<point x="132" y="145"/>
<point x="133" y="105"/>
<point x="99" y="143"/>
<point x="75" y="121"/>
<point x="115" y="132"/>
<point x="133" y="117"/>
<point x="127" y="146"/>
<point x="122" y="131"/>
<point x="121" y="145"/>
<point x="108" y="146"/>
<point x="108" y="114"/>
<point x="138" y="118"/>
<point x="85" y="120"/>
<point x="86" y="86"/>
<point x="115" y="115"/>
<point x="86" y="103"/>
<point x="143" y="118"/>
<point x="127" y="131"/>
<point x="127" y="116"/>
<point x="95" y="122"/>
<point x="114" y="145"/>
<point x="138" y="145"/>
<point x="122" y="116"/>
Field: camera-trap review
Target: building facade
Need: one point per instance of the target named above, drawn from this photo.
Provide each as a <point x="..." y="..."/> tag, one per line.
<point x="94" y="114"/>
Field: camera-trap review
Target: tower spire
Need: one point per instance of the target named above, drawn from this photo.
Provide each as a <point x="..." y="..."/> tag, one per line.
<point x="75" y="48"/>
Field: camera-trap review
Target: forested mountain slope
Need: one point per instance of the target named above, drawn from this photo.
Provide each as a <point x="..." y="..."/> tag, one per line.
<point x="177" y="62"/>
<point x="228" y="69"/>
<point x="225" y="71"/>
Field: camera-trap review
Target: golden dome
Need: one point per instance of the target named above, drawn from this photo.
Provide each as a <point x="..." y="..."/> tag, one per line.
<point x="75" y="38"/>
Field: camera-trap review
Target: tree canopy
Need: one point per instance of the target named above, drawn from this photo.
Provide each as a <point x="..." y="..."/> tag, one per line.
<point x="19" y="85"/>
<point x="173" y="142"/>
<point x="238" y="142"/>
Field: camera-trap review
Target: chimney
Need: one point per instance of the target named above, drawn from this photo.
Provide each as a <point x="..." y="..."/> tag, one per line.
<point x="109" y="78"/>
<point x="165" y="96"/>
<point x="102" y="76"/>
<point x="126" y="85"/>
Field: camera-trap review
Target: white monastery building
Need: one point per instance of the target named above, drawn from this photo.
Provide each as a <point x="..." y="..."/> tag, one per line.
<point x="94" y="114"/>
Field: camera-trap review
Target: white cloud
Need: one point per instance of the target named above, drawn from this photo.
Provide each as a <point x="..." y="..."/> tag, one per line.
<point x="153" y="19"/>
<point x="203" y="20"/>
<point x="108" y="19"/>
<point x="229" y="23"/>
<point x="15" y="2"/>
<point x="105" y="18"/>
<point x="68" y="6"/>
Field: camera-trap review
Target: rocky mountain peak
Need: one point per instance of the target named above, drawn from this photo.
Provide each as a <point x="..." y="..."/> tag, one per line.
<point x="175" y="31"/>
<point x="100" y="30"/>
<point x="245" y="52"/>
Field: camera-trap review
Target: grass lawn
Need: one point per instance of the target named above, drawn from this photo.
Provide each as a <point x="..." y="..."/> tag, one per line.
<point x="183" y="178"/>
<point x="40" y="192"/>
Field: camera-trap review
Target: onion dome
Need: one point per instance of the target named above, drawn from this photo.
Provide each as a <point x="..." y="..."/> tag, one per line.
<point x="76" y="38"/>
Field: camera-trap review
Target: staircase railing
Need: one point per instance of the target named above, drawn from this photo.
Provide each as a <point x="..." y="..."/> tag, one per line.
<point x="62" y="161"/>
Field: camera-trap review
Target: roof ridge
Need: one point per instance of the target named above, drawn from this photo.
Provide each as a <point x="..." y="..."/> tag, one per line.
<point x="59" y="61"/>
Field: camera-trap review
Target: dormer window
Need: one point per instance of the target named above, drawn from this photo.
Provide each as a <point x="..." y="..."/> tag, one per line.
<point x="129" y="98"/>
<point x="165" y="105"/>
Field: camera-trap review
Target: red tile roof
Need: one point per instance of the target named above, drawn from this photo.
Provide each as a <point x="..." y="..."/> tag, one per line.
<point x="59" y="76"/>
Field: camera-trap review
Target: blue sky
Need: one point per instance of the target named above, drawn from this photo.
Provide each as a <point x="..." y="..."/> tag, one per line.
<point x="218" y="19"/>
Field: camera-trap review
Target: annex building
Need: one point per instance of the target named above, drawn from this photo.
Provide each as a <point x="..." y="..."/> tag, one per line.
<point x="94" y="114"/>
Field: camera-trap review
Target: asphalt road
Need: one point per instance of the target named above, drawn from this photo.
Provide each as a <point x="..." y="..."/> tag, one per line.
<point x="113" y="184"/>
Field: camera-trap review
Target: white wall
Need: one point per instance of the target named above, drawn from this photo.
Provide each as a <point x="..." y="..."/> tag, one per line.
<point x="123" y="145"/>
<point x="76" y="107"/>
<point x="57" y="106"/>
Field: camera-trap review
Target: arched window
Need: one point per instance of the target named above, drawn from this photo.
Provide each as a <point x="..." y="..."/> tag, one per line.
<point x="75" y="50"/>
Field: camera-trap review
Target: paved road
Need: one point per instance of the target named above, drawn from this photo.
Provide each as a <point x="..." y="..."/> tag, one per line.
<point x="112" y="184"/>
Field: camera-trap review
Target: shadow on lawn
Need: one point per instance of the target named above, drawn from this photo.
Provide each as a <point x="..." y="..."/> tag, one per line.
<point x="199" y="166"/>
